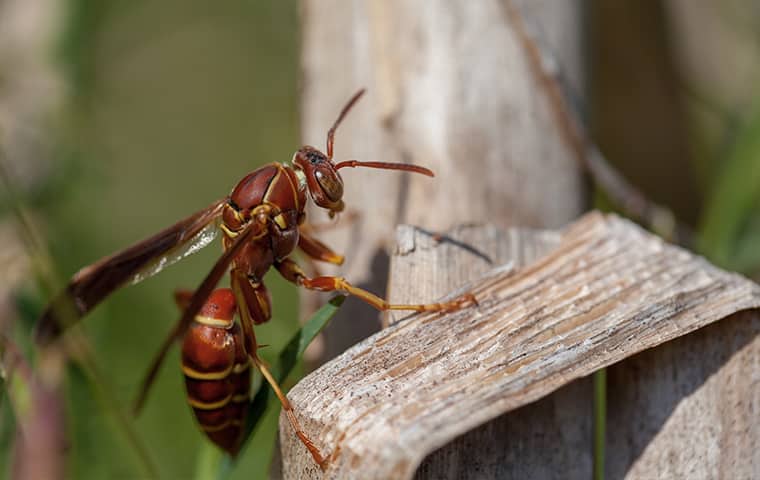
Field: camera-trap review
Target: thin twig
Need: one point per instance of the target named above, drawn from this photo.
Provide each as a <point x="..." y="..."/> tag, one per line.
<point x="625" y="195"/>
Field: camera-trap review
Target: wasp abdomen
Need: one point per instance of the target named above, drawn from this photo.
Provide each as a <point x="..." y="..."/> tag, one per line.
<point x="217" y="371"/>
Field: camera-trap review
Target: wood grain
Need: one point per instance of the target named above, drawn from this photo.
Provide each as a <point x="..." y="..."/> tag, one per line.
<point x="607" y="291"/>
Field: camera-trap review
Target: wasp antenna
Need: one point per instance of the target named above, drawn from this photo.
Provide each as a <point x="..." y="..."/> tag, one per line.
<point x="386" y="166"/>
<point x="343" y="113"/>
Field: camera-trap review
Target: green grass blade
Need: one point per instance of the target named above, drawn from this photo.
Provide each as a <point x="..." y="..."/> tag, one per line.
<point x="293" y="351"/>
<point x="209" y="463"/>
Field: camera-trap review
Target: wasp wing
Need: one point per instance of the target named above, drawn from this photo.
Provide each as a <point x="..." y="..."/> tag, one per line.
<point x="90" y="285"/>
<point x="193" y="303"/>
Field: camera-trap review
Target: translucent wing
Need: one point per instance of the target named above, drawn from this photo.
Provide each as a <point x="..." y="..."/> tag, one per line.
<point x="201" y="239"/>
<point x="92" y="284"/>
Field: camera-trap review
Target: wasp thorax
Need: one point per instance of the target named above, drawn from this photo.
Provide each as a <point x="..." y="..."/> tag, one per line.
<point x="323" y="181"/>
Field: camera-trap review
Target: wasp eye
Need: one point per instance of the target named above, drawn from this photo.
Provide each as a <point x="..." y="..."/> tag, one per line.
<point x="330" y="183"/>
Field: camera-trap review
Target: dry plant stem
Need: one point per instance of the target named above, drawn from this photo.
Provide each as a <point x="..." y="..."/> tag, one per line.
<point x="39" y="447"/>
<point x="609" y="290"/>
<point x="631" y="200"/>
<point x="431" y="265"/>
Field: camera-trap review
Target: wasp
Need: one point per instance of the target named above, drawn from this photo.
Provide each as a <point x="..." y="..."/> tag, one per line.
<point x="262" y="223"/>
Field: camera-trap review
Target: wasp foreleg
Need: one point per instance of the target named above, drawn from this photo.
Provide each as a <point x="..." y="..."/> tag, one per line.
<point x="318" y="250"/>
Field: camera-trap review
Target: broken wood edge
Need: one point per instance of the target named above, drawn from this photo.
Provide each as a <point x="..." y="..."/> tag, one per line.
<point x="348" y="429"/>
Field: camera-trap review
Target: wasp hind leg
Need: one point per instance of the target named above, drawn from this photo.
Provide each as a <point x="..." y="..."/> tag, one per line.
<point x="254" y="307"/>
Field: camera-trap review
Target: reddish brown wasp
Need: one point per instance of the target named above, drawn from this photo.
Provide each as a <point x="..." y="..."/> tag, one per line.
<point x="262" y="223"/>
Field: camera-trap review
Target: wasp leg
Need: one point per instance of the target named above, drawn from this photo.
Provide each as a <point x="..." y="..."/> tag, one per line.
<point x="182" y="298"/>
<point x="255" y="308"/>
<point x="293" y="273"/>
<point x="318" y="250"/>
<point x="313" y="249"/>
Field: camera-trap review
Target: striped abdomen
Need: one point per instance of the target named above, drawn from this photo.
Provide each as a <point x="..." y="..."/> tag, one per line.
<point x="217" y="371"/>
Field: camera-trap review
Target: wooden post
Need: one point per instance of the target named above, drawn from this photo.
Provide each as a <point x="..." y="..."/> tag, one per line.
<point x="449" y="88"/>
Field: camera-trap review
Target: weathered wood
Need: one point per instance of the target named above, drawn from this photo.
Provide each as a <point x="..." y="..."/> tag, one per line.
<point x="448" y="88"/>
<point x="607" y="291"/>
<point x="546" y="439"/>
<point x="689" y="408"/>
<point x="555" y="432"/>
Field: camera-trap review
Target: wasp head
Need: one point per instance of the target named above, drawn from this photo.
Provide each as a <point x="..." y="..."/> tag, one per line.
<point x="322" y="178"/>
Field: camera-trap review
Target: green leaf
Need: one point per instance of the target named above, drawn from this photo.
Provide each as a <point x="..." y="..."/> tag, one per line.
<point x="281" y="368"/>
<point x="210" y="463"/>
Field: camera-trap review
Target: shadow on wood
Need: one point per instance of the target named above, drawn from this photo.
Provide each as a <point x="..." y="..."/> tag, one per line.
<point x="688" y="408"/>
<point x="537" y="441"/>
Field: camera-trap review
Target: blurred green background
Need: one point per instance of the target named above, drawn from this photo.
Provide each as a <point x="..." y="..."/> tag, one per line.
<point x="164" y="105"/>
<point x="168" y="105"/>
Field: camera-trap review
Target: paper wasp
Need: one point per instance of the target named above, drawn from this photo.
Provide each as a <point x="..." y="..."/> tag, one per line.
<point x="262" y="223"/>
